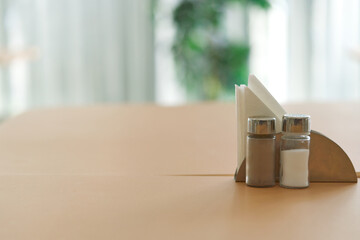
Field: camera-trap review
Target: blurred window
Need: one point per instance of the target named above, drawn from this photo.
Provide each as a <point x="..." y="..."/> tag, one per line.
<point x="301" y="50"/>
<point x="72" y="52"/>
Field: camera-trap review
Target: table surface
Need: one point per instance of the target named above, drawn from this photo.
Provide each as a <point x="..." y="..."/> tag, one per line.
<point x="144" y="171"/>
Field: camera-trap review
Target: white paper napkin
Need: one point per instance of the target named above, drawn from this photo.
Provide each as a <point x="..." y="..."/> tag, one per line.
<point x="253" y="100"/>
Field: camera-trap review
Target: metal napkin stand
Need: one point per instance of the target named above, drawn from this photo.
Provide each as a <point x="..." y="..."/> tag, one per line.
<point x="327" y="161"/>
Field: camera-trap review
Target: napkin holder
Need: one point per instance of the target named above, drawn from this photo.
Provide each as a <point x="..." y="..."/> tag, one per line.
<point x="327" y="161"/>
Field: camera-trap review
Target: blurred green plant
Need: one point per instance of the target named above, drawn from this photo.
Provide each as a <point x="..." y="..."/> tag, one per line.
<point x="208" y="64"/>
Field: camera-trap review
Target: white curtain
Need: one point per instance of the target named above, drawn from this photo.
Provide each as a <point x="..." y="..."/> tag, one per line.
<point x="71" y="52"/>
<point x="324" y="45"/>
<point x="308" y="50"/>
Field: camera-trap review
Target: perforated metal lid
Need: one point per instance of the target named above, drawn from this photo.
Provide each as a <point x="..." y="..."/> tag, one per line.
<point x="261" y="125"/>
<point x="296" y="123"/>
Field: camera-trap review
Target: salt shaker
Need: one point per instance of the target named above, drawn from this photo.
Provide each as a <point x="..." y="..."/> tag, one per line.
<point x="294" y="151"/>
<point x="260" y="152"/>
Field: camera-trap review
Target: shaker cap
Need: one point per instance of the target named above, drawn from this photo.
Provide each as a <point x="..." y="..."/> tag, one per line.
<point x="296" y="123"/>
<point x="261" y="125"/>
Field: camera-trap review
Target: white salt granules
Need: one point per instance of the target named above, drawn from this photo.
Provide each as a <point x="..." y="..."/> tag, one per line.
<point x="294" y="164"/>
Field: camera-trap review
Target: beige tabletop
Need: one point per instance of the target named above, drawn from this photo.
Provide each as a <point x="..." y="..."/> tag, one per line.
<point x="149" y="172"/>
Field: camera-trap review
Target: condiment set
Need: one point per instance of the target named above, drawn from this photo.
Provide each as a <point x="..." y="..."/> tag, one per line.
<point x="294" y="151"/>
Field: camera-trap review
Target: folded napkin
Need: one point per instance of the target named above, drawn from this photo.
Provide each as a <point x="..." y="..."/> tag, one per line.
<point x="253" y="100"/>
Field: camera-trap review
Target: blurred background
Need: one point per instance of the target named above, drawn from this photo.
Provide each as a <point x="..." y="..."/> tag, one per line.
<point x="80" y="52"/>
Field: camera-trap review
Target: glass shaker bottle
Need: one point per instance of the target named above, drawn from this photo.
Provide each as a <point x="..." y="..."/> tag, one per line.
<point x="260" y="152"/>
<point x="294" y="151"/>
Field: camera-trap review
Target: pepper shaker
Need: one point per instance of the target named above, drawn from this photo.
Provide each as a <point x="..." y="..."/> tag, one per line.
<point x="260" y="152"/>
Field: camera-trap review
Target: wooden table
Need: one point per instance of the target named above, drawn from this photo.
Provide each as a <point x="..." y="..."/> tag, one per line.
<point x="148" y="172"/>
